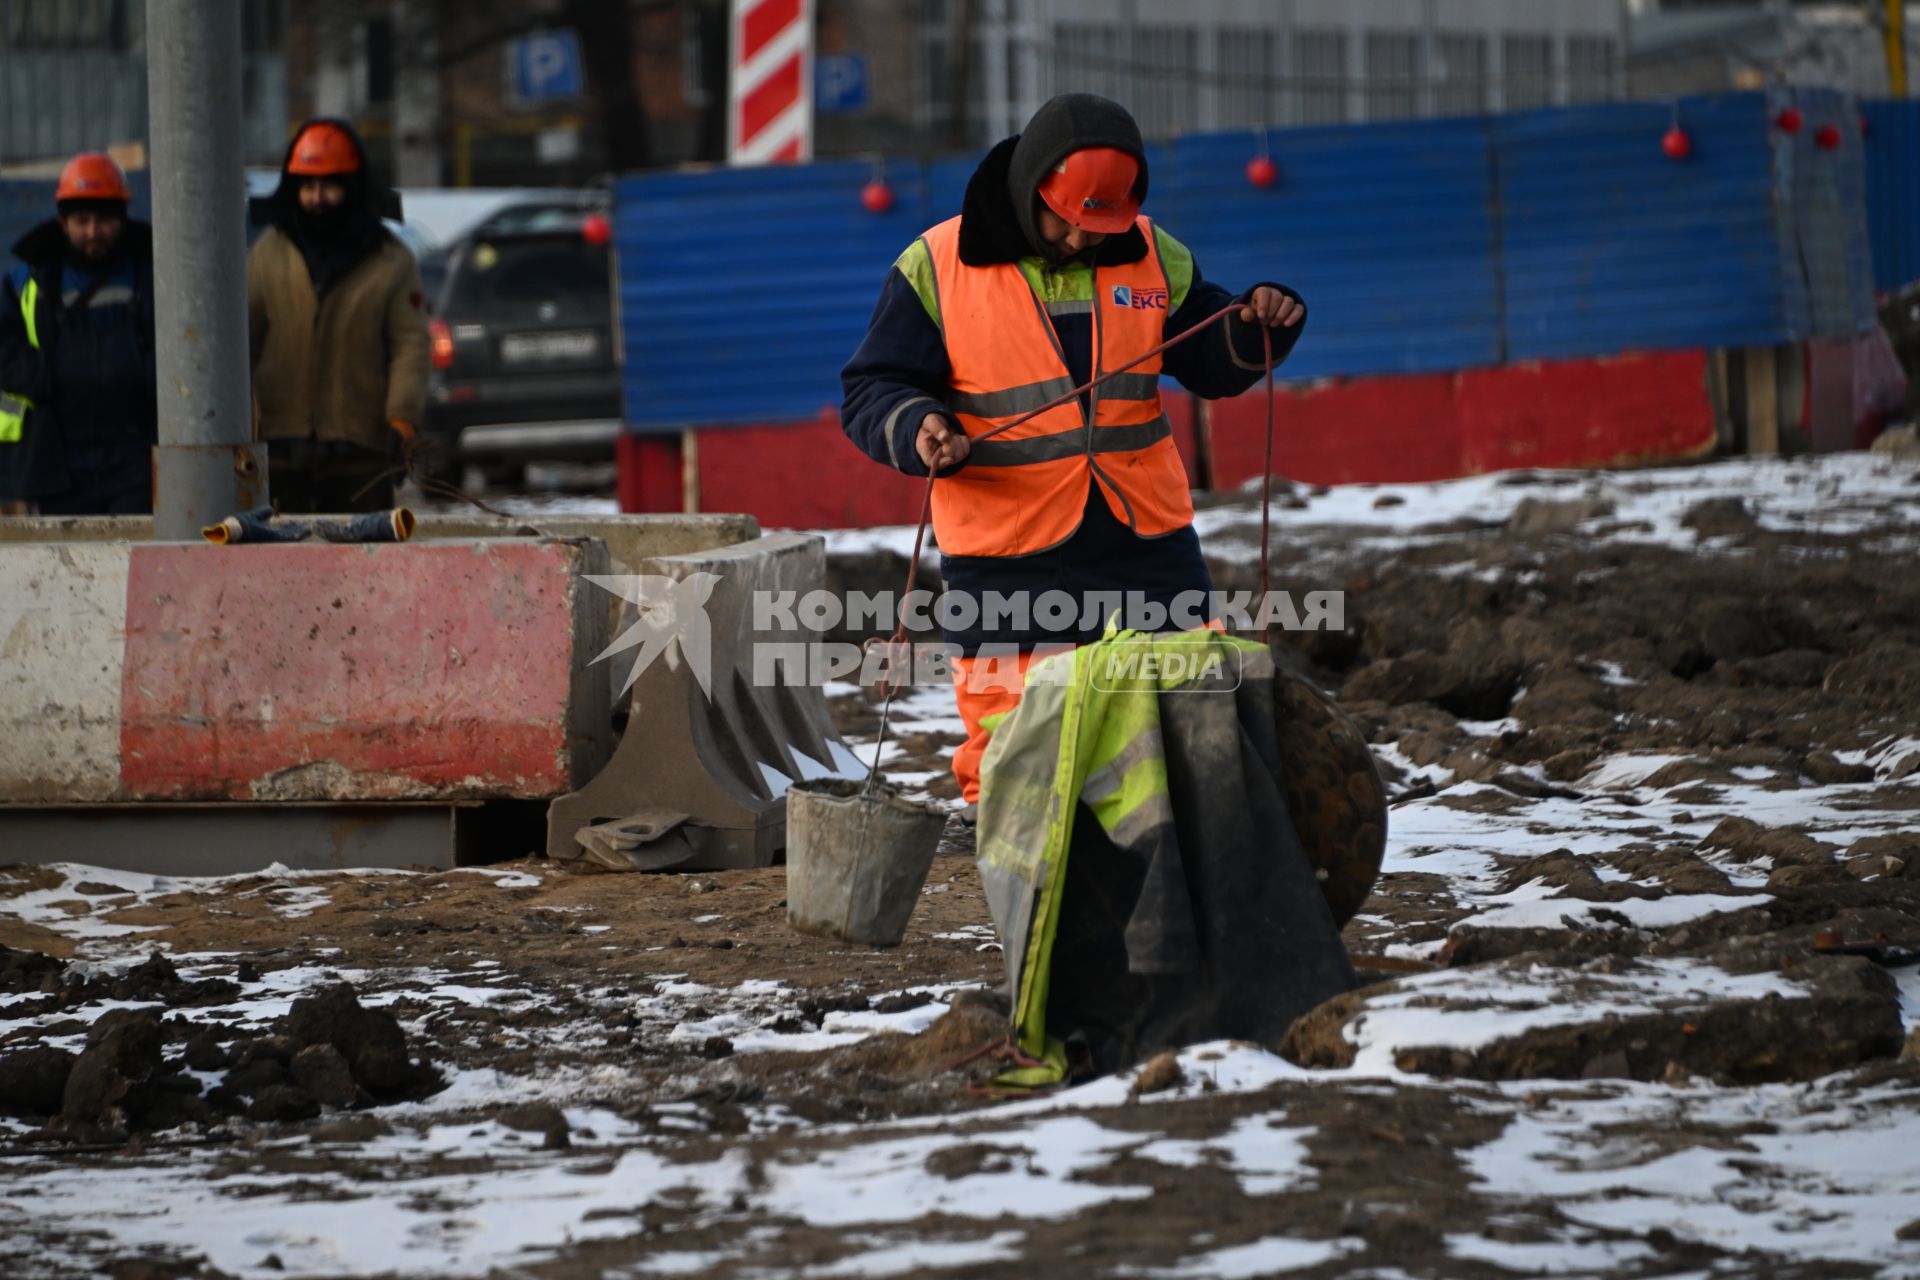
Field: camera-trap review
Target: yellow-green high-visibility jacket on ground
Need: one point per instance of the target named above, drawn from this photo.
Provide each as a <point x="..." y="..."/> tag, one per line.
<point x="1187" y="909"/>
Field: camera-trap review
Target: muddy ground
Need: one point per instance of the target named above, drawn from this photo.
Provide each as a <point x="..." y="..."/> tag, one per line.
<point x="1637" y="1004"/>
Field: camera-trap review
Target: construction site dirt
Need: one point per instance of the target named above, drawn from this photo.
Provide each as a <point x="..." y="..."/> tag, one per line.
<point x="1643" y="973"/>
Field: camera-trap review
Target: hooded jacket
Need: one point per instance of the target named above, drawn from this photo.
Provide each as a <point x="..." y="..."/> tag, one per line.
<point x="1066" y="124"/>
<point x="337" y="324"/>
<point x="900" y="372"/>
<point x="91" y="379"/>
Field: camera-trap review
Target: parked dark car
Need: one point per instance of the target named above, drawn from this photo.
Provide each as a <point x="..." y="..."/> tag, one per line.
<point x="524" y="368"/>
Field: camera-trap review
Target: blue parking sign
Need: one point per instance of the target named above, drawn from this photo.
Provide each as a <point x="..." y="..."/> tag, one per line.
<point x="546" y="66"/>
<point x="839" y="83"/>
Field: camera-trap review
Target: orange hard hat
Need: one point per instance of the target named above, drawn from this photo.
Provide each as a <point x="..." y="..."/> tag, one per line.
<point x="1093" y="189"/>
<point x="323" y="151"/>
<point x="92" y="176"/>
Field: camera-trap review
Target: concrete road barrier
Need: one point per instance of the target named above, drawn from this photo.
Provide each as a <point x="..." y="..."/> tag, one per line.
<point x="389" y="704"/>
<point x="700" y="776"/>
<point x="300" y="672"/>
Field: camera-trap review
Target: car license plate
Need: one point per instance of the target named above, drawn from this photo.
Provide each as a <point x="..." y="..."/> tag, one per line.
<point x="530" y="348"/>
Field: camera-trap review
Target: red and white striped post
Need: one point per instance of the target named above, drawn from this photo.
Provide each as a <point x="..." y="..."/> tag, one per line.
<point x="770" y="82"/>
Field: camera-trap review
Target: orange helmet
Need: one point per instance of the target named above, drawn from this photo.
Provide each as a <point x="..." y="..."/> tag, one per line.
<point x="1093" y="189"/>
<point x="92" y="176"/>
<point x="323" y="151"/>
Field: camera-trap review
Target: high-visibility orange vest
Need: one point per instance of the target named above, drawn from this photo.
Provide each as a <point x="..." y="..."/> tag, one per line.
<point x="1026" y="490"/>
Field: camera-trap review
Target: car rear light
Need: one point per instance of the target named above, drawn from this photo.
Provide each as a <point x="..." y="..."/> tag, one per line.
<point x="596" y="229"/>
<point x="442" y="339"/>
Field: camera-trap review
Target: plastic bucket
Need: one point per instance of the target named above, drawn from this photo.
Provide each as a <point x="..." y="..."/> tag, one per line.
<point x="856" y="859"/>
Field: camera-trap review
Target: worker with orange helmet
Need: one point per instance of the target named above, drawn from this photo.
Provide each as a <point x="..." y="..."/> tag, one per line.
<point x="338" y="324"/>
<point x="1049" y="275"/>
<point x="78" y="418"/>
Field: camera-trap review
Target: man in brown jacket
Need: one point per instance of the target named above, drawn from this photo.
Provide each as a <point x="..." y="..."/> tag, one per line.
<point x="338" y="324"/>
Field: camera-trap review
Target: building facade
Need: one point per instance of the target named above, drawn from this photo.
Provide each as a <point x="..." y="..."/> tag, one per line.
<point x="1221" y="64"/>
<point x="73" y="77"/>
<point x="1693" y="46"/>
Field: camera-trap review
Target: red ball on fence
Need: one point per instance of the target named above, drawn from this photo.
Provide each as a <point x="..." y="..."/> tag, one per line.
<point x="876" y="197"/>
<point x="1677" y="144"/>
<point x="1827" y="137"/>
<point x="1790" y="119"/>
<point x="1262" y="172"/>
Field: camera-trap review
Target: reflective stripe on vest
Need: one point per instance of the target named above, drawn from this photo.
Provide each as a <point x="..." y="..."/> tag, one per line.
<point x="1127" y="438"/>
<point x="29" y="303"/>
<point x="1026" y="490"/>
<point x="13" y="416"/>
<point x="1086" y="738"/>
<point x="14" y="408"/>
<point x="113" y="295"/>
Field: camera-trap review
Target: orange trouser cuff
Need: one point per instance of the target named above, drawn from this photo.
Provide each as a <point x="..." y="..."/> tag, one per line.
<point x="983" y="686"/>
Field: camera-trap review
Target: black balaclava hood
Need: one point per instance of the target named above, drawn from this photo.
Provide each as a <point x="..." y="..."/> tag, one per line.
<point x="1062" y="126"/>
<point x="333" y="241"/>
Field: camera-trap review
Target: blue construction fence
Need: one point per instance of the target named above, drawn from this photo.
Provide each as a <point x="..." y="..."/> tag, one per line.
<point x="1892" y="147"/>
<point x="1420" y="246"/>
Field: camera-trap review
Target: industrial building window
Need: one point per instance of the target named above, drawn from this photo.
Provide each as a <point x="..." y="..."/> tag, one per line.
<point x="379" y="32"/>
<point x="1086" y="58"/>
<point x="1460" y="74"/>
<point x="1589" y="68"/>
<point x="1392" y="78"/>
<point x="945" y="96"/>
<point x="1245" y="58"/>
<point x="1527" y="76"/>
<point x="65" y="24"/>
<point x="261" y="26"/>
<point x="955" y="97"/>
<point x="1165" y="79"/>
<point x="1320" y="71"/>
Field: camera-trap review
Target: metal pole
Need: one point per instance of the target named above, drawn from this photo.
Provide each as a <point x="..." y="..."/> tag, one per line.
<point x="208" y="465"/>
<point x="1897" y="48"/>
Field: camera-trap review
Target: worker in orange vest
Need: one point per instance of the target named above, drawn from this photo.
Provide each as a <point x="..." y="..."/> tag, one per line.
<point x="1049" y="276"/>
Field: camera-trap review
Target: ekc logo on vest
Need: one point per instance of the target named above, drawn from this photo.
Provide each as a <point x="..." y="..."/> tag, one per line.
<point x="1139" y="299"/>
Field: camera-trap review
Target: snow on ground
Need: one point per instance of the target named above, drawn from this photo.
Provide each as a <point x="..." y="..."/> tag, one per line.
<point x="1885" y="756"/>
<point x="895" y="539"/>
<point x="1804" y="1183"/>
<point x="76" y="906"/>
<point x="1822" y="494"/>
<point x="1813" y="1182"/>
<point x="1471" y="1008"/>
<point x="1449" y="835"/>
<point x="1261" y="1258"/>
<point x="1818" y="1175"/>
<point x="1825" y="494"/>
<point x="1819" y="1182"/>
<point x="920" y="712"/>
<point x="421" y="1219"/>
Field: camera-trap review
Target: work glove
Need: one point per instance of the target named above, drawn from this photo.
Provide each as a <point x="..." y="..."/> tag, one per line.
<point x="396" y="525"/>
<point x="253" y="526"/>
<point x="409" y="438"/>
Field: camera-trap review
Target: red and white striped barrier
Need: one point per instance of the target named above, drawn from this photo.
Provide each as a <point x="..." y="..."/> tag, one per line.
<point x="141" y="673"/>
<point x="770" y="82"/>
